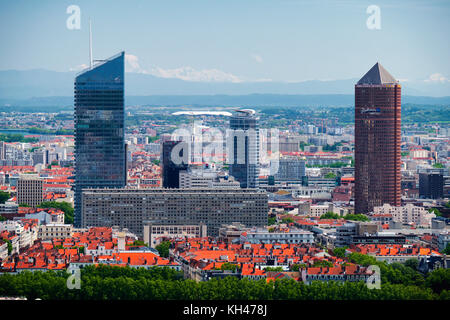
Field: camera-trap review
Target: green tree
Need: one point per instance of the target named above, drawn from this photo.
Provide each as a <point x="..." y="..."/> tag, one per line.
<point x="15" y="137"/>
<point x="323" y="263"/>
<point x="447" y="249"/>
<point x="4" y="196"/>
<point x="271" y="221"/>
<point x="339" y="252"/>
<point x="138" y="243"/>
<point x="228" y="266"/>
<point x="163" y="249"/>
<point x="330" y="215"/>
<point x="287" y="220"/>
<point x="9" y="244"/>
<point x="153" y="139"/>
<point x="330" y="175"/>
<point x="438" y="165"/>
<point x="435" y="211"/>
<point x="297" y="267"/>
<point x="439" y="280"/>
<point x="302" y="145"/>
<point x="412" y="263"/>
<point x="278" y="269"/>
<point x="64" y="206"/>
<point x="24" y="205"/>
<point x="356" y="217"/>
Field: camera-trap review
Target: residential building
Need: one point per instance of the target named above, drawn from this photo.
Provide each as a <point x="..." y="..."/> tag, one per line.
<point x="129" y="208"/>
<point x="55" y="231"/>
<point x="277" y="235"/>
<point x="153" y="234"/>
<point x="30" y="191"/>
<point x="408" y="213"/>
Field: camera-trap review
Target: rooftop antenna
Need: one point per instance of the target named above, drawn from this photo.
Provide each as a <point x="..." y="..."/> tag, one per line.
<point x="90" y="44"/>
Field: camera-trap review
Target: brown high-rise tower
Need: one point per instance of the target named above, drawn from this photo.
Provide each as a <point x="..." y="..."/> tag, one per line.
<point x="377" y="140"/>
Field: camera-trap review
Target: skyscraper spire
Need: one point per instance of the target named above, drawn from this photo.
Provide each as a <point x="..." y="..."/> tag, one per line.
<point x="90" y="45"/>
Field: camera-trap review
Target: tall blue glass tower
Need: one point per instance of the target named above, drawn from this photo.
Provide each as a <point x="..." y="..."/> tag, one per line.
<point x="100" y="158"/>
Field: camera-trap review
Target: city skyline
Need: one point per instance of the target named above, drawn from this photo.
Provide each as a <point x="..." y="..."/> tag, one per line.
<point x="224" y="151"/>
<point x="275" y="42"/>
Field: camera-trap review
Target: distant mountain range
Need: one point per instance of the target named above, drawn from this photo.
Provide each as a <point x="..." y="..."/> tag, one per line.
<point x="50" y="88"/>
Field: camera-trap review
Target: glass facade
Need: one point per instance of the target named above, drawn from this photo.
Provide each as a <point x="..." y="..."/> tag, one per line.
<point x="244" y="166"/>
<point x="170" y="170"/>
<point x="100" y="158"/>
<point x="377" y="140"/>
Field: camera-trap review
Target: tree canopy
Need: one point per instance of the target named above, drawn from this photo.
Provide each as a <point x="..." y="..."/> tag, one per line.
<point x="64" y="206"/>
<point x="330" y="215"/>
<point x="4" y="196"/>
<point x="163" y="249"/>
<point x="113" y="283"/>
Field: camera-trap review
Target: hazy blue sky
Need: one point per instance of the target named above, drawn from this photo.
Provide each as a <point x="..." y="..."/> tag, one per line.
<point x="233" y="40"/>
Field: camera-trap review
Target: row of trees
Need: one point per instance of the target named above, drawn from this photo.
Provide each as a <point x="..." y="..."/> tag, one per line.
<point x="405" y="274"/>
<point x="350" y="216"/>
<point x="163" y="284"/>
<point x="16" y="137"/>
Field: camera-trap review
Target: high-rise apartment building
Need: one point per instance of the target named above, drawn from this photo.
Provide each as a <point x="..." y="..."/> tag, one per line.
<point x="244" y="148"/>
<point x="99" y="128"/>
<point x="132" y="208"/>
<point x="30" y="191"/>
<point x="377" y="140"/>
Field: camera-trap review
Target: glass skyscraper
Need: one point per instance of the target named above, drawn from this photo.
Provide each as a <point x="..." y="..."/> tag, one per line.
<point x="100" y="158"/>
<point x="170" y="169"/>
<point x="244" y="166"/>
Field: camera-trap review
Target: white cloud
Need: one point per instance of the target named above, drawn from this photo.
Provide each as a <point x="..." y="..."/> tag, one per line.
<point x="79" y="67"/>
<point x="132" y="64"/>
<point x="190" y="74"/>
<point x="437" y="77"/>
<point x="186" y="73"/>
<point x="257" y="58"/>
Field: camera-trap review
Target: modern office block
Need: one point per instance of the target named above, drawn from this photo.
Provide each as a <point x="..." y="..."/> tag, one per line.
<point x="377" y="140"/>
<point x="99" y="128"/>
<point x="431" y="185"/>
<point x="244" y="148"/>
<point x="171" y="167"/>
